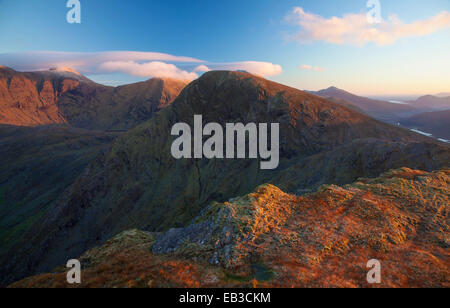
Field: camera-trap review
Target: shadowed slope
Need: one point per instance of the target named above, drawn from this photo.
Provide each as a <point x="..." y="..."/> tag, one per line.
<point x="436" y="123"/>
<point x="273" y="239"/>
<point x="38" y="164"/>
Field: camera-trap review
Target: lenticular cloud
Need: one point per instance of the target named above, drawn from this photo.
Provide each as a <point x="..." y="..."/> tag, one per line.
<point x="139" y="64"/>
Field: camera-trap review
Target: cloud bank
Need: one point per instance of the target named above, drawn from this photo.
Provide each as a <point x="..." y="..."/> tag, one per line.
<point x="202" y="68"/>
<point x="354" y="29"/>
<point x="257" y="68"/>
<point x="148" y="69"/>
<point x="139" y="64"/>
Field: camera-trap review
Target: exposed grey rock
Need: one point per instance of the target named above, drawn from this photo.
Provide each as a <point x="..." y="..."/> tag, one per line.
<point x="214" y="259"/>
<point x="215" y="233"/>
<point x="172" y="240"/>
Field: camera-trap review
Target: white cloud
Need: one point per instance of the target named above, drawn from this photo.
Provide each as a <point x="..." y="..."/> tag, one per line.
<point x="202" y="68"/>
<point x="139" y="64"/>
<point x="148" y="69"/>
<point x="306" y="67"/>
<point x="354" y="29"/>
<point x="85" y="62"/>
<point x="264" y="69"/>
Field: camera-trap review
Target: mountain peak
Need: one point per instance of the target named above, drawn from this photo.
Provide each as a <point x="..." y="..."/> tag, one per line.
<point x="5" y="68"/>
<point x="65" y="70"/>
<point x="334" y="89"/>
<point x="224" y="73"/>
<point x="91" y="106"/>
<point x="169" y="79"/>
<point x="443" y="94"/>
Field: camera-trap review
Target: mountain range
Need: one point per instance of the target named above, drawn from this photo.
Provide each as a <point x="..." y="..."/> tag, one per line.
<point x="443" y="94"/>
<point x="427" y="113"/>
<point x="64" y="96"/>
<point x="436" y="123"/>
<point x="431" y="103"/>
<point x="378" y="109"/>
<point x="383" y="110"/>
<point x="88" y="186"/>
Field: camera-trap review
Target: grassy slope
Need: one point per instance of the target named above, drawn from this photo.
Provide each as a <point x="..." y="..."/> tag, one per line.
<point x="323" y="239"/>
<point x="37" y="165"/>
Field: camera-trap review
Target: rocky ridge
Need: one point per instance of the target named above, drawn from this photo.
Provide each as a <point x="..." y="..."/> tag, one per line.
<point x="273" y="239"/>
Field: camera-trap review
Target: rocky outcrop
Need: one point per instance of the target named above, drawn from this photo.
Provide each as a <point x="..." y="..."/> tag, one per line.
<point x="270" y="238"/>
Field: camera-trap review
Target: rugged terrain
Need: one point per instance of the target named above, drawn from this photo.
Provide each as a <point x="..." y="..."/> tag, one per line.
<point x="270" y="238"/>
<point x="66" y="97"/>
<point x="46" y="150"/>
<point x="138" y="184"/>
<point x="38" y="164"/>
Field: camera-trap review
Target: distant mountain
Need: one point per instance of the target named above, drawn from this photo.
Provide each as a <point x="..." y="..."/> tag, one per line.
<point x="382" y="110"/>
<point x="63" y="96"/>
<point x="347" y="104"/>
<point x="138" y="184"/>
<point x="431" y="103"/>
<point x="270" y="238"/>
<point x="29" y="99"/>
<point x="436" y="123"/>
<point x="443" y="94"/>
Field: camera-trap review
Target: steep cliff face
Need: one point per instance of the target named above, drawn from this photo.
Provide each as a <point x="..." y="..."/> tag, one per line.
<point x="30" y="99"/>
<point x="118" y="108"/>
<point x="66" y="97"/>
<point x="270" y="238"/>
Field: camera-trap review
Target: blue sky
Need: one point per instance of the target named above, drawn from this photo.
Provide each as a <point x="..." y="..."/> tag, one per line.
<point x="232" y="32"/>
